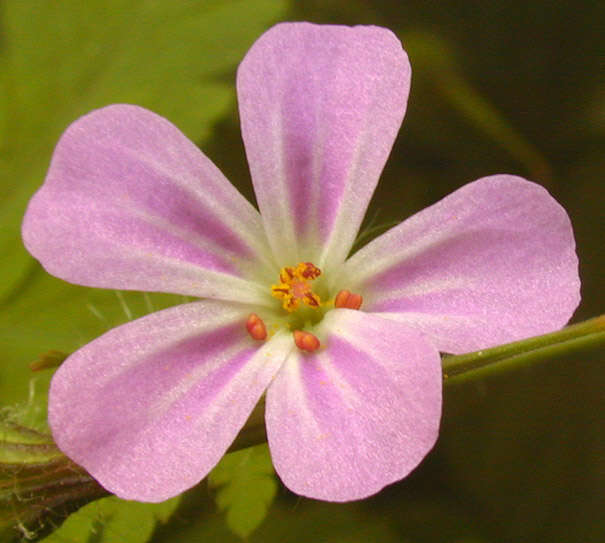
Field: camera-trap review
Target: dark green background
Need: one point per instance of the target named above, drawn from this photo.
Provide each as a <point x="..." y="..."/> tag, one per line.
<point x="515" y="87"/>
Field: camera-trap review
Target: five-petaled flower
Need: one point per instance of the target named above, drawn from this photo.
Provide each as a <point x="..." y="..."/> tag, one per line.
<point x="346" y="349"/>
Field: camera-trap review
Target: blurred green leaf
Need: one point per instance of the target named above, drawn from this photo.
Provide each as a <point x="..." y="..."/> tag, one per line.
<point x="245" y="488"/>
<point x="50" y="314"/>
<point x="385" y="518"/>
<point x="23" y="443"/>
<point x="59" y="61"/>
<point x="111" y="520"/>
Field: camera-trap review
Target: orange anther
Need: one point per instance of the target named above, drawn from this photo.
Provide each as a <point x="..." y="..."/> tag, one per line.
<point x="306" y="341"/>
<point x="256" y="327"/>
<point x="345" y="299"/>
<point x="341" y="298"/>
<point x="354" y="301"/>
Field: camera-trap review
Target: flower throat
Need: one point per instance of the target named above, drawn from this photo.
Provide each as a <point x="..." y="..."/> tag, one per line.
<point x="302" y="304"/>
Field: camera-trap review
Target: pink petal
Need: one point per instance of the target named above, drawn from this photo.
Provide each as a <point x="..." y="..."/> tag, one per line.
<point x="150" y="407"/>
<point x="491" y="263"/>
<point x="320" y="107"/>
<point x="358" y="414"/>
<point x="130" y="203"/>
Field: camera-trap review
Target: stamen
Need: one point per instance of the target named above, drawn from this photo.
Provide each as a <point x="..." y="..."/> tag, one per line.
<point x="309" y="271"/>
<point x="354" y="301"/>
<point x="341" y="298"/>
<point x="345" y="299"/>
<point x="311" y="299"/>
<point x="306" y="341"/>
<point x="294" y="286"/>
<point x="256" y="327"/>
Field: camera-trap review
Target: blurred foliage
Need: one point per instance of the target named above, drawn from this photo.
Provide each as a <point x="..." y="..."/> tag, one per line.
<point x="59" y="61"/>
<point x="62" y="59"/>
<point x="245" y="488"/>
<point x="111" y="520"/>
<point x="511" y="87"/>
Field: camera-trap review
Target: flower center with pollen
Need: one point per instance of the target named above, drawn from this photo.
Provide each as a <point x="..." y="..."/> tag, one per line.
<point x="294" y="286"/>
<point x="302" y="304"/>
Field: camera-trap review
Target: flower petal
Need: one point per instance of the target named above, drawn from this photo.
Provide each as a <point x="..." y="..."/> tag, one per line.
<point x="320" y="107"/>
<point x="150" y="407"/>
<point x="130" y="203"/>
<point x="491" y="263"/>
<point x="357" y="415"/>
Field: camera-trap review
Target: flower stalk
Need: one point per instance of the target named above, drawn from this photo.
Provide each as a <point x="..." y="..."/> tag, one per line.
<point x="584" y="335"/>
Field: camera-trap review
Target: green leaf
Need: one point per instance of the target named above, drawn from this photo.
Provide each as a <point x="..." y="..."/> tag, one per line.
<point x="176" y="58"/>
<point x="52" y="315"/>
<point x="246" y="488"/>
<point x="111" y="520"/>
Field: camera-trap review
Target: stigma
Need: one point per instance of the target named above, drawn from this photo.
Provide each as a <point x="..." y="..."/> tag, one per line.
<point x="294" y="286"/>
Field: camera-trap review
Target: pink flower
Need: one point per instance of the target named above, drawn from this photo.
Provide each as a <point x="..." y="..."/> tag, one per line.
<point x="353" y="397"/>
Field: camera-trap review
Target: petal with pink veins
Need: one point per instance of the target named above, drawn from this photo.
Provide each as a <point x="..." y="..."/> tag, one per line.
<point x="359" y="413"/>
<point x="130" y="203"/>
<point x="320" y="108"/>
<point x="491" y="263"/>
<point x="150" y="407"/>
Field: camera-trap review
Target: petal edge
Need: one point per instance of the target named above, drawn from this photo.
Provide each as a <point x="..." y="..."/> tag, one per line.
<point x="491" y="263"/>
<point x="320" y="108"/>
<point x="357" y="415"/>
<point x="151" y="406"/>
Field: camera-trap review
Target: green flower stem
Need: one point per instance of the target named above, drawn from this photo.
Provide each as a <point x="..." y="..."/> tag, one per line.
<point x="587" y="334"/>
